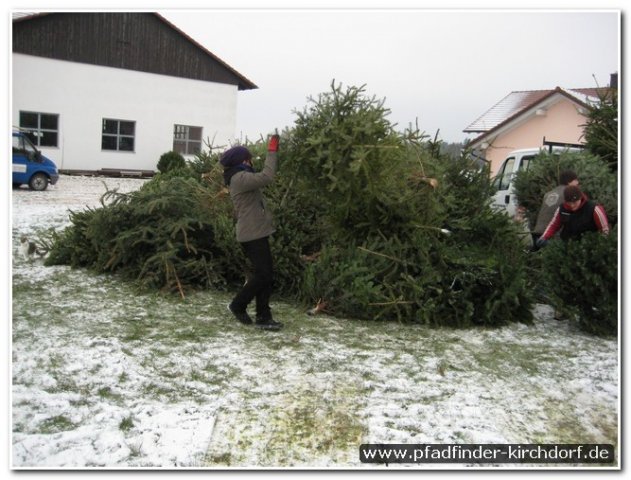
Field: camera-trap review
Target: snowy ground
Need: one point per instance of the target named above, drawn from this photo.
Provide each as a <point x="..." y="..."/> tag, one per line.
<point x="106" y="377"/>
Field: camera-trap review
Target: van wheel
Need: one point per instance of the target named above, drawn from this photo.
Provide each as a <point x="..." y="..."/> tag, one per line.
<point x="38" y="182"/>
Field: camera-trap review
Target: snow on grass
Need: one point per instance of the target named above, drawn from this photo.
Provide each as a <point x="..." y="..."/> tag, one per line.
<point x="104" y="376"/>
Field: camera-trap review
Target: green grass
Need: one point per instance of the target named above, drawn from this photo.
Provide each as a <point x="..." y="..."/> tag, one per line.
<point x="56" y="424"/>
<point x="126" y="424"/>
<point x="302" y="423"/>
<point x="314" y="390"/>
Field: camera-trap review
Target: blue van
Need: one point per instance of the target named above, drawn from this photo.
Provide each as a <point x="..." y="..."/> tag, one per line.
<point x="30" y="166"/>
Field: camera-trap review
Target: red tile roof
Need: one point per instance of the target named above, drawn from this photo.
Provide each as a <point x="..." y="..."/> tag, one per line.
<point x="516" y="103"/>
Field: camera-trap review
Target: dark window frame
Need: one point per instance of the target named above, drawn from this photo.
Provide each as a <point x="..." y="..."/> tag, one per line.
<point x="182" y="137"/>
<point x="36" y="133"/>
<point x="120" y="139"/>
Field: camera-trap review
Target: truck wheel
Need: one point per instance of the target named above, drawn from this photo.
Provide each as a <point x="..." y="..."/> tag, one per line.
<point x="38" y="182"/>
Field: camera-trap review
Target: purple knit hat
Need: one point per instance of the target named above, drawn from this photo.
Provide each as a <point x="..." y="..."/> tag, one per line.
<point x="235" y="156"/>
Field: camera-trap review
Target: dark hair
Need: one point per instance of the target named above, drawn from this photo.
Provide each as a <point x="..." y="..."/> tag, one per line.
<point x="572" y="193"/>
<point x="566" y="176"/>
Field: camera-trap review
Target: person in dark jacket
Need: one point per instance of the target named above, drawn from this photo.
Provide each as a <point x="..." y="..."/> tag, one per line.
<point x="551" y="201"/>
<point x="253" y="228"/>
<point x="575" y="216"/>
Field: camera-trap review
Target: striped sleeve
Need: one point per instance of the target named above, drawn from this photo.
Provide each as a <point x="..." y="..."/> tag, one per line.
<point x="554" y="225"/>
<point x="600" y="217"/>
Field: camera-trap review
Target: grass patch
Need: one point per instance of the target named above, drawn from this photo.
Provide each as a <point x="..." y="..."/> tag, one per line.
<point x="314" y="390"/>
<point x="106" y="393"/>
<point x="562" y="427"/>
<point x="126" y="424"/>
<point x="505" y="361"/>
<point x="136" y="330"/>
<point x="302" y="424"/>
<point x="56" y="424"/>
<point x="154" y="390"/>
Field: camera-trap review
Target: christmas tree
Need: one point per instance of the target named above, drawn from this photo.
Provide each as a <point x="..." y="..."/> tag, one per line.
<point x="372" y="223"/>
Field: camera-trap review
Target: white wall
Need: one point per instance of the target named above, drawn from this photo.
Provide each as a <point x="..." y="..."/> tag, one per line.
<point x="82" y="95"/>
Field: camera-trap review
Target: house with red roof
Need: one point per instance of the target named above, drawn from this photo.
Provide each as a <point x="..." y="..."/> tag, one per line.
<point x="527" y="119"/>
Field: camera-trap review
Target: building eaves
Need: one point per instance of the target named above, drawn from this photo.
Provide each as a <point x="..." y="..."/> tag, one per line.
<point x="507" y="108"/>
<point x="517" y="103"/>
<point x="244" y="83"/>
<point x="583" y="98"/>
<point x="587" y="96"/>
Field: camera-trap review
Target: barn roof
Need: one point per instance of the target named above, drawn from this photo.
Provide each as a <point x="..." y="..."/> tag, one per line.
<point x="143" y="41"/>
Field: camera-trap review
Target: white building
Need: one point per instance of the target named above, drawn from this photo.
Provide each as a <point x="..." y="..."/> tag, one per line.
<point x="117" y="90"/>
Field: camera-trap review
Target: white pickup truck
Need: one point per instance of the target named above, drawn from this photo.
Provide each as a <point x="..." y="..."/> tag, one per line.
<point x="505" y="198"/>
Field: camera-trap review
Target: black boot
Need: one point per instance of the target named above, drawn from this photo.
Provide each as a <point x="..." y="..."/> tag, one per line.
<point x="266" y="322"/>
<point x="243" y="317"/>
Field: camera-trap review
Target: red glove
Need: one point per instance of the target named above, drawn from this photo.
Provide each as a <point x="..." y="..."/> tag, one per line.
<point x="272" y="145"/>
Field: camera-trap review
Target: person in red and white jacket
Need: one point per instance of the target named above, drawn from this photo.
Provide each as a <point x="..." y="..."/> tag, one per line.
<point x="575" y="216"/>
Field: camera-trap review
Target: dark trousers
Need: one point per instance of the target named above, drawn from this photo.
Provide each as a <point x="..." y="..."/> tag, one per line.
<point x="259" y="283"/>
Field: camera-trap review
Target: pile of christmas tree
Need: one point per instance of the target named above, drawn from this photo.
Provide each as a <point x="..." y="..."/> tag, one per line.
<point x="580" y="278"/>
<point x="372" y="223"/>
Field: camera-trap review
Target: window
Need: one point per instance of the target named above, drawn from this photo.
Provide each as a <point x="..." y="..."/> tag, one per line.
<point x="502" y="181"/>
<point x="118" y="135"/>
<point x="41" y="128"/>
<point x="525" y="162"/>
<point x="23" y="146"/>
<point x="187" y="140"/>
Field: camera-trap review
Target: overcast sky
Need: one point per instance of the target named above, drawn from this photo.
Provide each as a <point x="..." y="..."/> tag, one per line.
<point x="444" y="68"/>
